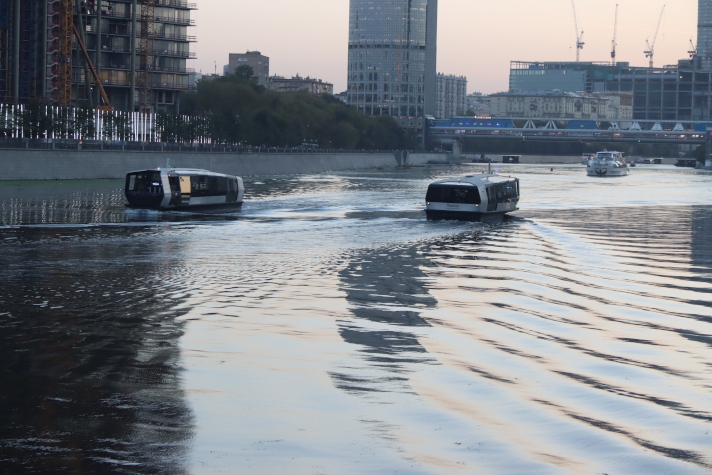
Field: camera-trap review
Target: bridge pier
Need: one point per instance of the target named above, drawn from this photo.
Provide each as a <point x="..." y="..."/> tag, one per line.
<point x="456" y="151"/>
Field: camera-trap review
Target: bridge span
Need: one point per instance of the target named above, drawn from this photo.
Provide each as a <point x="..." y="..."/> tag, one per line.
<point x="550" y="130"/>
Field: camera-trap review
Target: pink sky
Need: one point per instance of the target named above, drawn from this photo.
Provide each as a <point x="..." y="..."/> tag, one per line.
<point x="476" y="38"/>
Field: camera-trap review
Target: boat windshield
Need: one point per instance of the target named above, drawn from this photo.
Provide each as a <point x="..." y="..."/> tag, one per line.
<point x="148" y="181"/>
<point x="453" y="194"/>
<point x="606" y="155"/>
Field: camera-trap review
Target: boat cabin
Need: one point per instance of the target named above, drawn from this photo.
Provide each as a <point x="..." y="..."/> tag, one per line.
<point x="182" y="188"/>
<point x="472" y="197"/>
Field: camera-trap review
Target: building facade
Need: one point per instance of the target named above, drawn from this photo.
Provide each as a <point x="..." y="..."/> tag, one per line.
<point x="562" y="76"/>
<point x="680" y="93"/>
<point x="552" y="105"/>
<point x="451" y="96"/>
<point x="253" y="59"/>
<point x="392" y="58"/>
<point x="298" y="83"/>
<point x="704" y="33"/>
<point x="139" y="51"/>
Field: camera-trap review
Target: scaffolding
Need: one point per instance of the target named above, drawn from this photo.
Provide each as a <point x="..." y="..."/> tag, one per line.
<point x="144" y="74"/>
<point x="64" y="68"/>
<point x="5" y="49"/>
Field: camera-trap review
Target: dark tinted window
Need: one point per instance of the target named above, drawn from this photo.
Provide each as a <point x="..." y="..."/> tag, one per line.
<point x="208" y="186"/>
<point x="453" y="194"/>
<point x="144" y="182"/>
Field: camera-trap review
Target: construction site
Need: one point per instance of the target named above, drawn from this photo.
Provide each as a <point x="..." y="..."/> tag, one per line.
<point x="124" y="55"/>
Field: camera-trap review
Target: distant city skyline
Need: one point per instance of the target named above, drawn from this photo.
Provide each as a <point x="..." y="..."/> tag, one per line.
<point x="476" y="39"/>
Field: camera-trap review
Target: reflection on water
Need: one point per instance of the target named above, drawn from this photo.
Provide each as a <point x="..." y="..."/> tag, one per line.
<point x="89" y="363"/>
<point x="328" y="327"/>
<point x="386" y="294"/>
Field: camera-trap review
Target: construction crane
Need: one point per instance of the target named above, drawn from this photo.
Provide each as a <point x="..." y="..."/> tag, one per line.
<point x="68" y="29"/>
<point x="147" y="58"/>
<point x="650" y="52"/>
<point x="615" y="35"/>
<point x="693" y="50"/>
<point x="579" y="36"/>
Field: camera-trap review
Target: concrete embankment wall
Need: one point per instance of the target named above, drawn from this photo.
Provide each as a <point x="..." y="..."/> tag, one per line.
<point x="76" y="164"/>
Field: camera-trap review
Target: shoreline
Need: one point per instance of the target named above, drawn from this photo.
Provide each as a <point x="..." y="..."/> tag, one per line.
<point x="19" y="164"/>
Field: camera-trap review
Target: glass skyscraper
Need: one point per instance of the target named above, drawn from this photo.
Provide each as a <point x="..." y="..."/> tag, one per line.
<point x="392" y="57"/>
<point x="704" y="33"/>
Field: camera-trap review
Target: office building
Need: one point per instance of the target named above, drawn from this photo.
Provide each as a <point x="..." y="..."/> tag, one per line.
<point x="552" y="105"/>
<point x="451" y="94"/>
<point x="704" y="33"/>
<point x="392" y="58"/>
<point x="298" y="83"/>
<point x="562" y="76"/>
<point x="140" y="59"/>
<point x="253" y="59"/>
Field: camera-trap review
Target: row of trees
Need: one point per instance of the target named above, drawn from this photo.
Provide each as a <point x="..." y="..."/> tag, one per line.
<point x="238" y="110"/>
<point x="227" y="110"/>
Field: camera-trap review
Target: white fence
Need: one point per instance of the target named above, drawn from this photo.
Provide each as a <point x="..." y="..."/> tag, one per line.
<point x="50" y="122"/>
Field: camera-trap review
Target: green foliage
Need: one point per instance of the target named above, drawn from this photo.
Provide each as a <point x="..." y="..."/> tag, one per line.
<point x="240" y="111"/>
<point x="245" y="74"/>
<point x="700" y="153"/>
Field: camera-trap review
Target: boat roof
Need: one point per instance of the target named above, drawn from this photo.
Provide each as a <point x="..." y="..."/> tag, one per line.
<point x="183" y="171"/>
<point x="474" y="180"/>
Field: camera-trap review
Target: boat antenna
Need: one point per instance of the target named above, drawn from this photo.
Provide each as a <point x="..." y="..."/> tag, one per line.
<point x="489" y="167"/>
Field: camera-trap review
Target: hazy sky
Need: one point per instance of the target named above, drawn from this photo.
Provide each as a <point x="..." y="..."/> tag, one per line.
<point x="476" y="38"/>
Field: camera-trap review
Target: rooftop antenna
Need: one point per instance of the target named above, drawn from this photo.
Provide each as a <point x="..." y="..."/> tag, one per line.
<point x="615" y="36"/>
<point x="579" y="37"/>
<point x="650" y="52"/>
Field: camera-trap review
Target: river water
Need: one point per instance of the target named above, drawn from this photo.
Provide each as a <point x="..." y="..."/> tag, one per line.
<point x="329" y="328"/>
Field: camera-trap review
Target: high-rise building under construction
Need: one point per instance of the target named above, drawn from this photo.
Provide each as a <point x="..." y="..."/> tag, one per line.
<point x="704" y="33"/>
<point x="137" y="49"/>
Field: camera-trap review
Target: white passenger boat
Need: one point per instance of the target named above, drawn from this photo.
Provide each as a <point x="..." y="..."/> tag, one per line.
<point x="472" y="197"/>
<point x="606" y="164"/>
<point x="183" y="189"/>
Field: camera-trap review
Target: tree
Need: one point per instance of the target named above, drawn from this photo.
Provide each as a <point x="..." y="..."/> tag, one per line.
<point x="245" y="74"/>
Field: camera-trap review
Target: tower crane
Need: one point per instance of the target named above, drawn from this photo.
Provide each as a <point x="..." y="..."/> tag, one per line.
<point x="615" y="36"/>
<point x="579" y="36"/>
<point x="693" y="50"/>
<point x="650" y="52"/>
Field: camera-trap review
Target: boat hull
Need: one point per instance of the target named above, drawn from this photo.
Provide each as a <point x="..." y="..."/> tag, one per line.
<point x="442" y="215"/>
<point x="607" y="172"/>
<point x="207" y="208"/>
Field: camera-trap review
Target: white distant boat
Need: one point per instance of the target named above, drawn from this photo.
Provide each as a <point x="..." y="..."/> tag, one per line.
<point x="586" y="157"/>
<point x="606" y="164"/>
<point x="472" y="197"/>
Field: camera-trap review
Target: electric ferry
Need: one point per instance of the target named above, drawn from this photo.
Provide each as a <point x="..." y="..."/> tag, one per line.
<point x="183" y="189"/>
<point x="472" y="197"/>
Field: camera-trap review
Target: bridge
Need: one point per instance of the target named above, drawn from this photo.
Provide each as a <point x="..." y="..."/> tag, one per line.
<point x="565" y="130"/>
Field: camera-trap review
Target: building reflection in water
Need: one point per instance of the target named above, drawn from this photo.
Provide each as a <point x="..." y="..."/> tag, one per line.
<point x="89" y="357"/>
<point x="386" y="291"/>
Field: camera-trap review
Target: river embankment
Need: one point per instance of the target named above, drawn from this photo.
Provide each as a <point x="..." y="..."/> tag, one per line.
<point x="92" y="164"/>
<point x="24" y="164"/>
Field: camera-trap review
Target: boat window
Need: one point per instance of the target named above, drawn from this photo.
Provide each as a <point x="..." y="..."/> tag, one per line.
<point x="208" y="185"/>
<point x="453" y="194"/>
<point x="144" y="182"/>
<point x="503" y="192"/>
